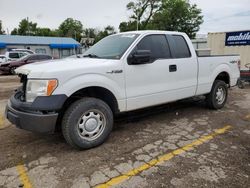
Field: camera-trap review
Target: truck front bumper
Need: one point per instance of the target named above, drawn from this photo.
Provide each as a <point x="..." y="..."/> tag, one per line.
<point x="29" y="117"/>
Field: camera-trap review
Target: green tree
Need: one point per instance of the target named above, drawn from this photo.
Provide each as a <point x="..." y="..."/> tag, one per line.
<point x="141" y="13"/>
<point x="90" y="33"/>
<point x="108" y="30"/>
<point x="25" y="28"/>
<point x="14" y="31"/>
<point x="71" y="28"/>
<point x="178" y="15"/>
<point x="46" y="32"/>
<point x="128" y="26"/>
<point x="43" y="32"/>
<point x="2" y="32"/>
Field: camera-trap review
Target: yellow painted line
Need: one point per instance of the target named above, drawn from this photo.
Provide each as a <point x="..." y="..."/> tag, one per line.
<point x="1" y="121"/>
<point x="247" y="117"/>
<point x="23" y="176"/>
<point x="119" y="179"/>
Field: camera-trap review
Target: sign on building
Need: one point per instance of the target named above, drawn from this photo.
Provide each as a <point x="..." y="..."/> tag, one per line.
<point x="240" y="38"/>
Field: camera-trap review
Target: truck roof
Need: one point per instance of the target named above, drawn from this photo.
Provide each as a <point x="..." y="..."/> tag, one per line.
<point x="153" y="32"/>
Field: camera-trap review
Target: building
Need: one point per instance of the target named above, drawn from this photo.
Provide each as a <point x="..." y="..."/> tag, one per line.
<point x="227" y="43"/>
<point x="58" y="47"/>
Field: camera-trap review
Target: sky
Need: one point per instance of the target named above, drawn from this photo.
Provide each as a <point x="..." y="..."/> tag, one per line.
<point x="219" y="15"/>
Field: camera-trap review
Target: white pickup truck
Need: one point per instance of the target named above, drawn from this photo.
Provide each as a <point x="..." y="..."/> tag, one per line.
<point x="122" y="72"/>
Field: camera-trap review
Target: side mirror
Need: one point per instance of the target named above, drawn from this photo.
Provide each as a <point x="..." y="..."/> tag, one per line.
<point x="139" y="57"/>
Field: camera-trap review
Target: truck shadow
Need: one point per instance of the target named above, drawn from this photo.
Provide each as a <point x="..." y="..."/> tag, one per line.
<point x="169" y="108"/>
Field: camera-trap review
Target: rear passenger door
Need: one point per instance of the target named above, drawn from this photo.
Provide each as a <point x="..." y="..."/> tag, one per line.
<point x="170" y="76"/>
<point x="186" y="74"/>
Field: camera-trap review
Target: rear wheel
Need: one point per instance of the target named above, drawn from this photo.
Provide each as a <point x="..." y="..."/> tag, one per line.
<point x="87" y="123"/>
<point x="217" y="98"/>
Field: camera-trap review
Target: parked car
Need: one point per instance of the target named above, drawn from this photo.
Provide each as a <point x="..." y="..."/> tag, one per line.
<point x="23" y="50"/>
<point x="9" y="67"/>
<point x="121" y="73"/>
<point x="3" y="59"/>
<point x="12" y="55"/>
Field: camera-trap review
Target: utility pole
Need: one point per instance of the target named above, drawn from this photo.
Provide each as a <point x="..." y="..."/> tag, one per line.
<point x="28" y="26"/>
<point x="137" y="22"/>
<point x="75" y="45"/>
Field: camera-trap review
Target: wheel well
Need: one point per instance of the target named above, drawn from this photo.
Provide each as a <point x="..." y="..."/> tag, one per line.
<point x="96" y="92"/>
<point x="224" y="76"/>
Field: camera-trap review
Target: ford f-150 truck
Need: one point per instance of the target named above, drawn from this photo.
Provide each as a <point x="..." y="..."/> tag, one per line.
<point x="121" y="73"/>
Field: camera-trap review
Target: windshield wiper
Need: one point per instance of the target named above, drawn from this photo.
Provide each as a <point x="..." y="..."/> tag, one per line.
<point x="91" y="56"/>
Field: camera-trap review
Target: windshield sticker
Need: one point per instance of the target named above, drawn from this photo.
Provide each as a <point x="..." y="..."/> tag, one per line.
<point x="129" y="35"/>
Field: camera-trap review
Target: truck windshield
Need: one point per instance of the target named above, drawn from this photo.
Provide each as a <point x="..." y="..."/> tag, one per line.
<point x="112" y="47"/>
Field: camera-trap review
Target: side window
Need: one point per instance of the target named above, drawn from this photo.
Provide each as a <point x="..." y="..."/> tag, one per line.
<point x="179" y="47"/>
<point x="22" y="54"/>
<point x="158" y="46"/>
<point x="14" y="55"/>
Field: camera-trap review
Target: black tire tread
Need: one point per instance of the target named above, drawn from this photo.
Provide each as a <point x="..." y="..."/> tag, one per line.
<point x="210" y="96"/>
<point x="74" y="106"/>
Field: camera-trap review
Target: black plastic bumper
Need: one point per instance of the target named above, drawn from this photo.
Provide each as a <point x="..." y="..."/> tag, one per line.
<point x="28" y="116"/>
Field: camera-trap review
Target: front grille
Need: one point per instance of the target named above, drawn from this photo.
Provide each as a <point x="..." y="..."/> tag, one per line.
<point x="23" y="80"/>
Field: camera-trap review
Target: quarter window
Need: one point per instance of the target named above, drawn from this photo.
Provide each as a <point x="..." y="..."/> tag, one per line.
<point x="157" y="45"/>
<point x="180" y="47"/>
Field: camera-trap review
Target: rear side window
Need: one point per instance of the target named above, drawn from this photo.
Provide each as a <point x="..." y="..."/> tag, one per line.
<point x="22" y="54"/>
<point x="158" y="46"/>
<point x="179" y="47"/>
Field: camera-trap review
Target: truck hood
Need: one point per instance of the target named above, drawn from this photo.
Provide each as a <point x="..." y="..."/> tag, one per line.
<point x="48" y="68"/>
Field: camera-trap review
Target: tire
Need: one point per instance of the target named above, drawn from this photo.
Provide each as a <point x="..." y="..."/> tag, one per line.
<point x="217" y="98"/>
<point x="12" y="70"/>
<point x="87" y="123"/>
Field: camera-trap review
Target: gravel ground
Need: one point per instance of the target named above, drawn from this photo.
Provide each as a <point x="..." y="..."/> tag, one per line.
<point x="137" y="139"/>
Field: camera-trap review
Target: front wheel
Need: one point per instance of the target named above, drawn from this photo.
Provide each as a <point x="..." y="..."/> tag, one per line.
<point x="87" y="123"/>
<point x="217" y="98"/>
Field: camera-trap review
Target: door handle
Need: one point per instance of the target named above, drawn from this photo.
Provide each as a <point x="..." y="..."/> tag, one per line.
<point x="172" y="68"/>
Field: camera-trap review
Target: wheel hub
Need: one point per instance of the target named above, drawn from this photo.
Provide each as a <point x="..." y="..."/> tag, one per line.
<point x="220" y="95"/>
<point x="91" y="124"/>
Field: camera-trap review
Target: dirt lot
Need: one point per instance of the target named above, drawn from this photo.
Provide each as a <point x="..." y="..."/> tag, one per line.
<point x="183" y="144"/>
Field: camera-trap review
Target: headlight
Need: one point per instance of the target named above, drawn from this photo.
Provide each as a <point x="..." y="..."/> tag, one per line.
<point x="36" y="88"/>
